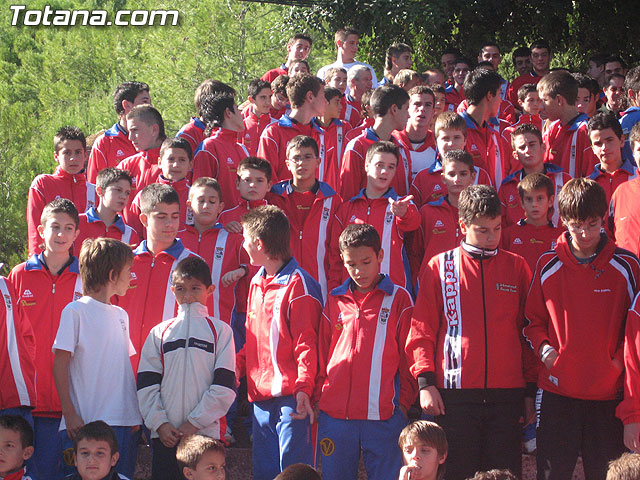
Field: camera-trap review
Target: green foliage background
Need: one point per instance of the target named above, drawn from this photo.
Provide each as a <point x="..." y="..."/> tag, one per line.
<point x="54" y="76"/>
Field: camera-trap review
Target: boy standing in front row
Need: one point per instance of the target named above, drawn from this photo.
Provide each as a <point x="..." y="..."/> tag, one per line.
<point x="188" y="390"/>
<point x="367" y="390"/>
<point x="16" y="447"/>
<point x="91" y="369"/>
<point x="474" y="384"/>
<point x="280" y="356"/>
<point x="95" y="452"/>
<point x="424" y="449"/>
<point x="576" y="310"/>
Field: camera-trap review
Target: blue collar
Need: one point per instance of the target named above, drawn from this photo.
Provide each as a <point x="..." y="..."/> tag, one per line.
<point x="391" y="193"/>
<point x="174" y="250"/>
<point x="115" y="130"/>
<point x="370" y="134"/>
<point x="198" y="123"/>
<point x="36" y="262"/>
<point x="579" y="120"/>
<point x="286" y="187"/>
<point x="385" y="284"/>
<point x="626" y="166"/>
<point x="92" y="216"/>
<point x="284" y="275"/>
<point x="287" y="121"/>
<point x="519" y="174"/>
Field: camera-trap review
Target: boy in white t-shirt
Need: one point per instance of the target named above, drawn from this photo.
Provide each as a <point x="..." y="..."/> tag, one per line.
<point x="91" y="369"/>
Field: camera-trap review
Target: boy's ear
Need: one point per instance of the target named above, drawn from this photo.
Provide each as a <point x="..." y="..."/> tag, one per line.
<point x="114" y="458"/>
<point x="27" y="453"/>
<point x="156" y="131"/>
<point x="188" y="473"/>
<point x="210" y="290"/>
<point x="463" y="227"/>
<point x="99" y="191"/>
<point x="473" y="173"/>
<point x="40" y="229"/>
<point x="442" y="458"/>
<point x="143" y="220"/>
<point x="380" y="255"/>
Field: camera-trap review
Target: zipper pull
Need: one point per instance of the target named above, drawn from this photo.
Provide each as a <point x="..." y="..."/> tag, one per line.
<point x="300" y="234"/>
<point x="369" y="210"/>
<point x="53" y="288"/>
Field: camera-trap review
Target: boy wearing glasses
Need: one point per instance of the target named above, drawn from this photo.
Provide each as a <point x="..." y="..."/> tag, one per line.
<point x="576" y="310"/>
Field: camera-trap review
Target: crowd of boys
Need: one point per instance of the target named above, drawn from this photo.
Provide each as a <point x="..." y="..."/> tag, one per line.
<point x="275" y="249"/>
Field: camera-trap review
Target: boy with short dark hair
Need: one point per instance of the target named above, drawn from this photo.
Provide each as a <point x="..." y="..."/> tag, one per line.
<point x="310" y="206"/>
<point x="146" y="132"/>
<point x="631" y="115"/>
<point x="201" y="458"/>
<point x="306" y="94"/>
<point x="588" y="90"/>
<point x="44" y="285"/>
<point x="370" y="310"/>
<point x="607" y="141"/>
<point x="284" y="299"/>
<point x="378" y="204"/>
<point x="624" y="214"/>
<point x="366" y="117"/>
<point x="67" y="181"/>
<point x="424" y="449"/>
<point x="390" y="106"/>
<point x="154" y="260"/>
<point x="539" y="59"/>
<point x="566" y="139"/>
<point x="614" y="94"/>
<point x="93" y="336"/>
<point x="175" y="162"/>
<point x="576" y="309"/>
<point x="279" y="99"/>
<point x="530" y="105"/>
<point x="257" y="116"/>
<point x="521" y="58"/>
<point x="398" y="58"/>
<point x="95" y="453"/>
<point x="114" y="145"/>
<point x="298" y="48"/>
<point x="528" y="151"/>
<point x="534" y="233"/>
<point x="193" y="132"/>
<point x="113" y="187"/>
<point x="479" y="379"/>
<point x="219" y="155"/>
<point x="16" y="447"/>
<point x="346" y="42"/>
<point x="454" y="92"/>
<point x="186" y="391"/>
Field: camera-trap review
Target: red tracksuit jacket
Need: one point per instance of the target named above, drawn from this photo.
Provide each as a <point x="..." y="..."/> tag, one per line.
<point x="335" y="144"/>
<point x="377" y="212"/>
<point x="42" y="298"/>
<point x="529" y="241"/>
<point x="17" y="352"/>
<point x="149" y="299"/>
<point x="512" y="210"/>
<point x="143" y="168"/>
<point x="362" y="353"/>
<point x="280" y="356"/>
<point x="275" y="138"/>
<point x="466" y="330"/>
<point x="253" y="128"/>
<point x="624" y="215"/>
<point x="109" y="150"/>
<point x="352" y="175"/>
<point x="235" y="214"/>
<point x="629" y="409"/>
<point x="525" y="118"/>
<point x="350" y="111"/>
<point x="92" y="227"/>
<point x="311" y="240"/>
<point x="218" y="157"/>
<point x="611" y="181"/>
<point x="512" y="91"/>
<point x="193" y="132"/>
<point x="223" y="252"/>
<point x="46" y="188"/>
<point x="424" y="154"/>
<point x="580" y="309"/>
<point x="569" y="146"/>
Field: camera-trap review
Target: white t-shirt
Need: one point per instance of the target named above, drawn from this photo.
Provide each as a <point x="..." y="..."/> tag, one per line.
<point x="101" y="380"/>
<point x="347" y="66"/>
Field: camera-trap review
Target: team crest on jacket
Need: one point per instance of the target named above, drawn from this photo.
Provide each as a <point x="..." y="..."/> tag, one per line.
<point x="325" y="213"/>
<point x="120" y="153"/>
<point x="229" y="161"/>
<point x="384" y="315"/>
<point x="339" y="325"/>
<point x="219" y="253"/>
<point x="7" y="300"/>
<point x="388" y="218"/>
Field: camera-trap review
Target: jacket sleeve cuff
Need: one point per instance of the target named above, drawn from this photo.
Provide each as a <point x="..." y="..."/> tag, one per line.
<point x="426" y="379"/>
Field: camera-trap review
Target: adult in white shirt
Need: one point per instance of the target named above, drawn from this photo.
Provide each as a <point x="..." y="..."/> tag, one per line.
<point x="346" y="40"/>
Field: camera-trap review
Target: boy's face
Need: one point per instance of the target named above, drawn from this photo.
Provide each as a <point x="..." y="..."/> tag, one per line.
<point x="460" y="71"/>
<point x="333" y="108"/>
<point x="450" y="139"/>
<point x="302" y="163"/>
<point x="116" y="195"/>
<point x="421" y="109"/>
<point x="403" y="60"/>
<point x="162" y="223"/>
<point x="439" y="103"/>
<point x="70" y="156"/>
<point x="59" y="232"/>
<point x="349" y="47"/>
<point x="262" y="101"/>
<point x="523" y="65"/>
<point x="252" y="184"/>
<point x="423" y="459"/>
<point x="585" y="235"/>
<point x="122" y="280"/>
<point x="540" y="59"/>
<point x="613" y="67"/>
<point x="595" y="71"/>
<point x="528" y="150"/>
<point x="206" y="205"/>
<point x="483" y="232"/>
<point x="606" y="146"/>
<point x="175" y="164"/>
<point x="233" y="119"/>
<point x="143" y="98"/>
<point x="12" y="453"/>
<point x="585" y="102"/>
<point x="141" y="134"/>
<point x="339" y="81"/>
<point x="552" y="107"/>
<point x="457" y="176"/>
<point x="94" y="459"/>
<point x="614" y="92"/>
<point x="536" y="204"/>
<point x="380" y="170"/>
<point x="448" y="61"/>
<point x="191" y="290"/>
<point x="363" y="266"/>
<point x="491" y="54"/>
<point x="210" y="467"/>
<point x="318" y="103"/>
<point x="531" y="103"/>
<point x="298" y="68"/>
<point x="254" y="248"/>
<point x="362" y="83"/>
<point x="400" y="115"/>
<point x="279" y="101"/>
<point x="299" y="50"/>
